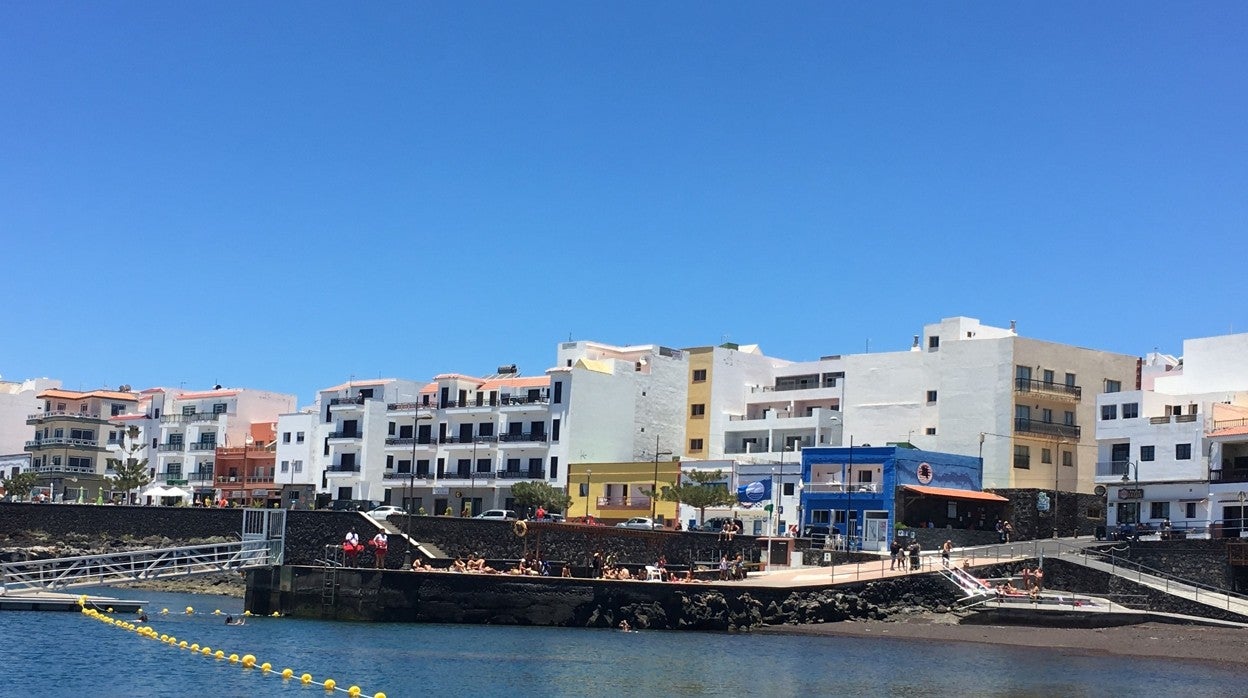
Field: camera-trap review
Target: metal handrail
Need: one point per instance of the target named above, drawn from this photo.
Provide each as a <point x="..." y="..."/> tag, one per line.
<point x="1168" y="581"/>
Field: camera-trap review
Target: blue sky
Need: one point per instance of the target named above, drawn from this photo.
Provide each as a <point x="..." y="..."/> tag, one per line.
<point x="285" y="195"/>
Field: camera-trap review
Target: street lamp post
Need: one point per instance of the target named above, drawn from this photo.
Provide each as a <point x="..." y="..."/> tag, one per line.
<point x="587" y="474"/>
<point x="411" y="488"/>
<point x="654" y="492"/>
<point x="472" y="475"/>
<point x="1139" y="494"/>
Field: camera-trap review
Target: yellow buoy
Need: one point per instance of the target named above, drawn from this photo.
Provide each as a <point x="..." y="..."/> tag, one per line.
<point x="164" y="611"/>
<point x="330" y="684"/>
<point x="276" y="614"/>
<point x="249" y="660"/>
<point x="306" y="679"/>
<point x="379" y="694"/>
<point x="109" y="609"/>
<point x="189" y="610"/>
<point x="217" y="612"/>
<point x="287" y="673"/>
<point x="233" y="659"/>
<point x="246" y="613"/>
<point x="206" y="651"/>
<point x="195" y="647"/>
<point x="266" y="667"/>
<point x="164" y="638"/>
<point x="354" y="692"/>
<point x="219" y="654"/>
<point x="182" y="645"/>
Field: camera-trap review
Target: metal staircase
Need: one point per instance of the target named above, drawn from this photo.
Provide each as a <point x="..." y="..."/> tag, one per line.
<point x="971" y="586"/>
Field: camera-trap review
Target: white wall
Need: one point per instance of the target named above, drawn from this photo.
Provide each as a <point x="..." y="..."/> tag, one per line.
<point x="17" y="402"/>
<point x="1209" y="364"/>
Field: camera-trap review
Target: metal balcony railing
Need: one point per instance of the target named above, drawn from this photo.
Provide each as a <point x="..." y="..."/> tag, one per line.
<point x="509" y="400"/>
<point x="520" y="474"/>
<point x="343" y="468"/>
<point x="62" y="441"/>
<point x="1033" y="426"/>
<point x="1113" y="468"/>
<point x="1229" y="475"/>
<point x="346" y="435"/>
<point x="202" y="446"/>
<point x="80" y="469"/>
<point x="1229" y="424"/>
<point x="1030" y="385"/>
<point x="470" y="440"/>
<point x="179" y="446"/>
<point x="526" y="436"/>
<point x="625" y="502"/>
<point x="62" y="414"/>
<point x="407" y="441"/>
<point x="357" y="400"/>
<point x="405" y="406"/>
<point x="190" y="418"/>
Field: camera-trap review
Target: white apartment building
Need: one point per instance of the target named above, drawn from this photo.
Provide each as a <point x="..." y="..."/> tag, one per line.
<point x="1177" y="449"/>
<point x="350" y="452"/>
<point x="962" y="387"/>
<point x="19" y="400"/>
<point x="194" y="424"/>
<point x="618" y="403"/>
<point x="299" y="435"/>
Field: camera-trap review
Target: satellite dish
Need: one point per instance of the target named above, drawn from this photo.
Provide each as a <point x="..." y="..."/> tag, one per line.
<point x="1099" y="490"/>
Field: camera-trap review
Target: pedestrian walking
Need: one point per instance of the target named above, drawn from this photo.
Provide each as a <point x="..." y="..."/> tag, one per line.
<point x="945" y="550"/>
<point x="894" y="552"/>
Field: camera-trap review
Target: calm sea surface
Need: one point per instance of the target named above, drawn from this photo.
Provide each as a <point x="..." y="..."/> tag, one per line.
<point x="63" y="654"/>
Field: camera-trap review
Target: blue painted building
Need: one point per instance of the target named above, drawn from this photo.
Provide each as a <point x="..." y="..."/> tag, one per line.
<point x="870" y="486"/>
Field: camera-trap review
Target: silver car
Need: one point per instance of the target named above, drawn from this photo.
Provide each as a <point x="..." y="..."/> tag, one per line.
<point x="640" y="522"/>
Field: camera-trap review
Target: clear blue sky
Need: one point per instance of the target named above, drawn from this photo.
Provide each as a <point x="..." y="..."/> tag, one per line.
<point x="283" y="195"/>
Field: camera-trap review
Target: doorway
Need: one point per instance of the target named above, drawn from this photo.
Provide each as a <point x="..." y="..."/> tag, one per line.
<point x="875" y="531"/>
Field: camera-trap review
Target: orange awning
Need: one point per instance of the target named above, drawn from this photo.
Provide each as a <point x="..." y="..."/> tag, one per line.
<point x="950" y="493"/>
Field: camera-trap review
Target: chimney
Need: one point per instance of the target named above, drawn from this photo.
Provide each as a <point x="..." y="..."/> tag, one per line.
<point x="1014" y="326"/>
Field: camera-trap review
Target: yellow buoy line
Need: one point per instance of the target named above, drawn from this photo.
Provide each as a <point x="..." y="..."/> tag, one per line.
<point x="247" y="661"/>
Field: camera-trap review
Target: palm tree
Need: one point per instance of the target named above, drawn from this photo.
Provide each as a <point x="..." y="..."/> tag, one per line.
<point x="131" y="472"/>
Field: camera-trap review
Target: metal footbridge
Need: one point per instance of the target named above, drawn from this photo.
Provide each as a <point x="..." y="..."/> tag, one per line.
<point x="262" y="545"/>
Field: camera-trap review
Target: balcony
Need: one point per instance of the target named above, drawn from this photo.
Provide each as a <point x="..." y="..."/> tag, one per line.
<point x="346" y="435"/>
<point x="1228" y="476"/>
<point x="1230" y="424"/>
<point x="178" y="447"/>
<point x="62" y="414"/>
<point x="76" y="469"/>
<point x="1113" y="468"/>
<point x="62" y="441"/>
<point x="340" y="468"/>
<point x="520" y="474"/>
<point x="204" y="476"/>
<point x="395" y="475"/>
<point x="527" y="436"/>
<point x="1059" y="390"/>
<point x="190" y="418"/>
<point x="1035" y="426"/>
<point x="202" y="446"/>
<point x="408" y="441"/>
<point x="624" y="502"/>
<point x="834" y="487"/>
<point x="1175" y="418"/>
<point x="513" y="400"/>
<point x="346" y="401"/>
<point x="407" y="406"/>
<point x="471" y="440"/>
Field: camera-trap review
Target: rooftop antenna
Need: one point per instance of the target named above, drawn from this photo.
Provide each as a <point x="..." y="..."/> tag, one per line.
<point x="868" y="345"/>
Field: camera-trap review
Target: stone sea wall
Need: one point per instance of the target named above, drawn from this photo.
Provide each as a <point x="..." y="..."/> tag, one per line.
<point x="443" y="597"/>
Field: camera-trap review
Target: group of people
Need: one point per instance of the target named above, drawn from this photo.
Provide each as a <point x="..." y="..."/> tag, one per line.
<point x="1005" y="531"/>
<point x="351" y="548"/>
<point x="899" y="551"/>
<point x="731" y="570"/>
<point x="523" y="567"/>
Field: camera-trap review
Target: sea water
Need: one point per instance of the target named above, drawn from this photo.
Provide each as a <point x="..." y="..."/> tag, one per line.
<point x="66" y="654"/>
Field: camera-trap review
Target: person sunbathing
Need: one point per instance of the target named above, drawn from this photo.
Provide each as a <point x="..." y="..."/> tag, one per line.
<point x="623" y="573"/>
<point x="459" y="566"/>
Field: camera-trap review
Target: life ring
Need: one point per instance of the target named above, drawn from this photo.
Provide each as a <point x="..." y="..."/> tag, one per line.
<point x="520" y="528"/>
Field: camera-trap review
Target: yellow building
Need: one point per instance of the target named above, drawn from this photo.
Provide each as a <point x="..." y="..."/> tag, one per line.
<point x="615" y="492"/>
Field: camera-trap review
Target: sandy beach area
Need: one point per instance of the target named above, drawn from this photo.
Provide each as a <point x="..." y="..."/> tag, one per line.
<point x="1188" y="642"/>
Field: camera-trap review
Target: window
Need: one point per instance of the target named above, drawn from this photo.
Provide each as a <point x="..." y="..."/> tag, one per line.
<point x="931" y="396"/>
<point x="697" y="410"/>
<point x="1130" y="410"/>
<point x="1068" y="458"/>
<point x="699" y="375"/>
<point x="285" y="438"/>
<point x="695" y="444"/>
<point x="788" y="489"/>
<point x="1070" y="380"/>
<point x="297" y="466"/>
<point x="554" y="467"/>
<point x="1148" y="452"/>
<point x="118" y="409"/>
<point x="1189" y="510"/>
<point x="558" y="398"/>
<point x="933" y="342"/>
<point x="1022" y="457"/>
<point x="298" y="437"/>
<point x="1113" y="386"/>
<point x="1046" y="455"/>
<point x="285" y="466"/>
<point x="1068" y="419"/>
<point x="554" y="429"/>
<point x="1048" y="376"/>
<point x="1159" y="510"/>
<point x="1109" y="412"/>
<point x="1182" y="451"/>
<point x="1046" y="415"/>
<point x="390" y="463"/>
<point x="930" y="431"/>
<point x="218" y="408"/>
<point x="584" y="489"/>
<point x="188" y="410"/>
<point x="389" y="429"/>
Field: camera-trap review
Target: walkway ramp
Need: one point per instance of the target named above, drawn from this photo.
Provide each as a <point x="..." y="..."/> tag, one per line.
<point x="429" y="550"/>
<point x="262" y="545"/>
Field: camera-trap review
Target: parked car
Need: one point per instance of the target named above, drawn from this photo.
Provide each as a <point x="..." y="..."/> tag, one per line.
<point x="553" y="518"/>
<point x="354" y="505"/>
<point x="816" y="531"/>
<point x="383" y="512"/>
<point x="640" y="522"/>
<point x="586" y="520"/>
<point x="498" y="515"/>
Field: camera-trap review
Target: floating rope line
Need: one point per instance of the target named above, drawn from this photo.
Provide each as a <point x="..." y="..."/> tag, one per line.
<point x="247" y="661"/>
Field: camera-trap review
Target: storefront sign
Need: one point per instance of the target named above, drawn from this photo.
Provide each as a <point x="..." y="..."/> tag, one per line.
<point x="1126" y="493"/>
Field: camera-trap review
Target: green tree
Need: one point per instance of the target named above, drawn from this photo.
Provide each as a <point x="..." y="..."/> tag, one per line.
<point x="131" y="470"/>
<point x="533" y="493"/>
<point x="20" y="485"/>
<point x="700" y="489"/>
